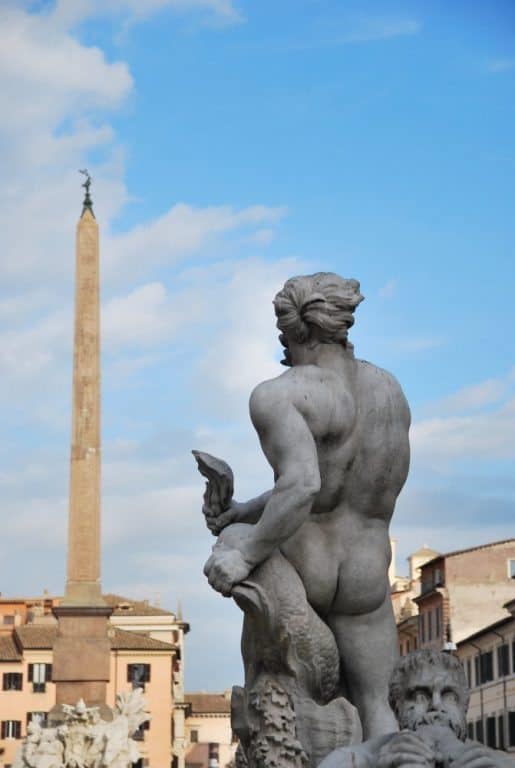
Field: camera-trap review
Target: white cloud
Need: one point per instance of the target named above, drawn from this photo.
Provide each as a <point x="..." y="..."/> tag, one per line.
<point x="451" y="434"/>
<point x="182" y="230"/>
<point x="500" y="65"/>
<point x="414" y="344"/>
<point x="387" y="291"/>
<point x="476" y="396"/>
<point x="71" y="12"/>
<point x="370" y="29"/>
<point x="245" y="347"/>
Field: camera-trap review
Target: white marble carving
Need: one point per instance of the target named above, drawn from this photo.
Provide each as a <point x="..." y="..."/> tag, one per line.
<point x="84" y="740"/>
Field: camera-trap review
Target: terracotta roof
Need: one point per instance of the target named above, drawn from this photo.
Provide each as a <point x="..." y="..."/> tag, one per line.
<point x="469" y="549"/>
<point x="123" y="606"/>
<point x="136" y="641"/>
<point x="134" y="607"/>
<point x="208" y="703"/>
<point x="36" y="636"/>
<point x="8" y="649"/>
<point x="197" y="756"/>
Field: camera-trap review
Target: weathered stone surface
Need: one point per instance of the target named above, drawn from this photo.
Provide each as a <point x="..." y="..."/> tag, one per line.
<point x="335" y="432"/>
<point x="83" y="578"/>
<point x="81" y="651"/>
<point x="429" y="695"/>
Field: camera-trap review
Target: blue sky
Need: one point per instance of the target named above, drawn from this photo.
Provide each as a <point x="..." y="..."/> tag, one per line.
<point x="233" y="144"/>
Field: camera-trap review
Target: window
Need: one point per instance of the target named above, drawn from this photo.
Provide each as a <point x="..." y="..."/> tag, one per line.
<point x="486" y="665"/>
<point x="490" y="732"/>
<point x="511" y="728"/>
<point x="468" y="672"/>
<point x="479" y="731"/>
<point x="503" y="660"/>
<point x="9" y="619"/>
<point x="470" y="730"/>
<point x="194" y="737"/>
<point x="39" y="676"/>
<point x="13" y="681"/>
<point x="429" y="626"/>
<point x="138" y="675"/>
<point x="511" y="569"/>
<point x="11" y="729"/>
<point x="39" y="718"/>
<point x="139" y="734"/>
<point x="438" y="618"/>
<point x="421" y="628"/>
<point x="477" y="670"/>
<point x="500" y="732"/>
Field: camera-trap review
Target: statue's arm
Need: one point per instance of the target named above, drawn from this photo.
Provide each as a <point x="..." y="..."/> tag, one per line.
<point x="250" y="511"/>
<point x="291" y="451"/>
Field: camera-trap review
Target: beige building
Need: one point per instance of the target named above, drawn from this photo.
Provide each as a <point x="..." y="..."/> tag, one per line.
<point x="451" y="596"/>
<point x="405" y="588"/>
<point x="489" y="660"/>
<point x="147" y="651"/>
<point x="464" y="591"/>
<point x="209" y="738"/>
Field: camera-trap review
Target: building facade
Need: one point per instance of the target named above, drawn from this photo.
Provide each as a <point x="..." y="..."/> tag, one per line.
<point x="209" y="737"/>
<point x="488" y="657"/>
<point x="146" y="651"/>
<point x="464" y="591"/>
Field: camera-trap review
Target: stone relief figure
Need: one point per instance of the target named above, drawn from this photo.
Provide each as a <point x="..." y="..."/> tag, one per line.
<point x="308" y="560"/>
<point x="429" y="695"/>
<point x="84" y="740"/>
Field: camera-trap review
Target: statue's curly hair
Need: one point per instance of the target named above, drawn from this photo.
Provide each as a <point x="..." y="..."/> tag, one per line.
<point x="426" y="656"/>
<point x="323" y="300"/>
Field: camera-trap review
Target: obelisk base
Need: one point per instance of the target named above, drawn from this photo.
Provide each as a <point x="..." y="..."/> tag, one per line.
<point x="81" y="657"/>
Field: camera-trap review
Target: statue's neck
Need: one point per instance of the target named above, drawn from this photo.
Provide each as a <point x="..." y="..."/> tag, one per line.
<point x="333" y="356"/>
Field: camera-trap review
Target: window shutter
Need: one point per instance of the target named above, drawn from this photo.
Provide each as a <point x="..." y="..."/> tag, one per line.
<point x="3" y="729"/>
<point x="4" y="685"/>
<point x="147" y="673"/>
<point x="129" y="673"/>
<point x="17" y="729"/>
<point x="48" y="673"/>
<point x="31" y="672"/>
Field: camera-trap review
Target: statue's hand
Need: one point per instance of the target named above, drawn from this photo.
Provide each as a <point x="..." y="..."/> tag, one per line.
<point x="225" y="568"/>
<point x="217" y="519"/>
<point x="477" y="755"/>
<point x="405" y="750"/>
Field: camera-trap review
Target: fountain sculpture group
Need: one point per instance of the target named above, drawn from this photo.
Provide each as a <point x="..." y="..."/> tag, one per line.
<point x="307" y="563"/>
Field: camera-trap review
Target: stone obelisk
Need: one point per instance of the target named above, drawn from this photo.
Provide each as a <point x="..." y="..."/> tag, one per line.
<point x="81" y="651"/>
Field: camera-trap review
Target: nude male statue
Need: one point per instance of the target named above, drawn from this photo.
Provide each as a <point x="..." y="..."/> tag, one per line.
<point x="429" y="695"/>
<point x="335" y="431"/>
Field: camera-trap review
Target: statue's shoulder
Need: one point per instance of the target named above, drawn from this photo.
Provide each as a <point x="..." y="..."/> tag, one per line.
<point x="373" y="377"/>
<point x="272" y="396"/>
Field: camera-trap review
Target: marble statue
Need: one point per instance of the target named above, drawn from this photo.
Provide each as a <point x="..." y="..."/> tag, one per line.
<point x="84" y="740"/>
<point x="308" y="560"/>
<point x="429" y="695"/>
